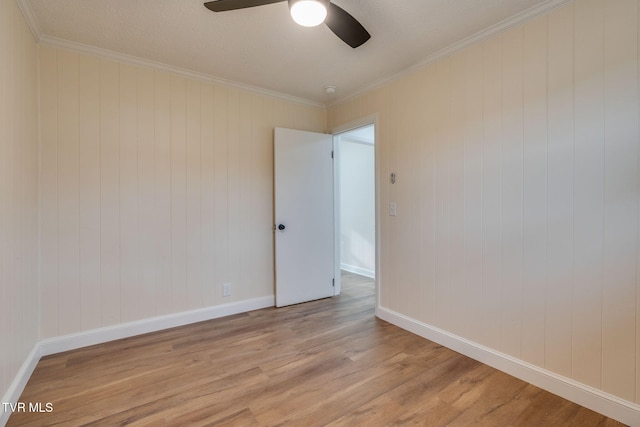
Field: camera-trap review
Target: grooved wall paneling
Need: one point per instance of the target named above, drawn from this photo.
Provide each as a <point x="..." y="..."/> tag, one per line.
<point x="156" y="189"/>
<point x="19" y="299"/>
<point x="518" y="193"/>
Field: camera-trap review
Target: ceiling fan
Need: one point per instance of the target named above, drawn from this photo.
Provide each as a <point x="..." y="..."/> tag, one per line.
<point x="308" y="13"/>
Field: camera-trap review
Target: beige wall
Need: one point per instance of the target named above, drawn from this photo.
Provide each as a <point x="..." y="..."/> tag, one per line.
<point x="156" y="190"/>
<point x="518" y="190"/>
<point x="18" y="193"/>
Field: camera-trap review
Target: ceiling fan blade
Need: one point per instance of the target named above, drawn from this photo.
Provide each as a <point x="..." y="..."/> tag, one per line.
<point x="346" y="26"/>
<point x="224" y="5"/>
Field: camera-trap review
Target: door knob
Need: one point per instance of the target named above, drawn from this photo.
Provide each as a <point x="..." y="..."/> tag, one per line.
<point x="281" y="227"/>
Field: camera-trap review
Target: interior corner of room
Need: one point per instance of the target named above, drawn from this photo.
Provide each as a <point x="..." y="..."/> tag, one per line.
<point x="130" y="195"/>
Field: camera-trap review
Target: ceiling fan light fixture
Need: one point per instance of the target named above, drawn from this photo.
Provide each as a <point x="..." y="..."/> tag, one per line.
<point x="308" y="13"/>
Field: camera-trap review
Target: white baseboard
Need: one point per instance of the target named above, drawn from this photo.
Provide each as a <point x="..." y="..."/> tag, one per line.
<point x="19" y="382"/>
<point x="589" y="397"/>
<point x="125" y="330"/>
<point x="358" y="270"/>
<point x="584" y="395"/>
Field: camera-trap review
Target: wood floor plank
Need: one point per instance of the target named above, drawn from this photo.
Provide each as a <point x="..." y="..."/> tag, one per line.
<point x="327" y="362"/>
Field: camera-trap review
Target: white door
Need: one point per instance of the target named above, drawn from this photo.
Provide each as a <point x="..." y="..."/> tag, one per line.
<point x="304" y="233"/>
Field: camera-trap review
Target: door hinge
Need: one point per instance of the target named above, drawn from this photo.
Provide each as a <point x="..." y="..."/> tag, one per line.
<point x="332" y="154"/>
<point x="334" y="282"/>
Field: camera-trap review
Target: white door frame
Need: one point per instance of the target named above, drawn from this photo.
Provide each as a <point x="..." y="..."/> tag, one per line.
<point x="336" y="132"/>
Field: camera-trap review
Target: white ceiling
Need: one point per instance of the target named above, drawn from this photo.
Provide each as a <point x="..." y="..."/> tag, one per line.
<point x="262" y="47"/>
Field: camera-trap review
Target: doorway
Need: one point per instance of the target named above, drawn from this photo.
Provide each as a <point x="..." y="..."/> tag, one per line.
<point x="340" y="210"/>
<point x="355" y="199"/>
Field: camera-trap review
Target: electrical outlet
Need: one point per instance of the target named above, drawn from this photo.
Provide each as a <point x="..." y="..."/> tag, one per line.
<point x="393" y="209"/>
<point x="226" y="290"/>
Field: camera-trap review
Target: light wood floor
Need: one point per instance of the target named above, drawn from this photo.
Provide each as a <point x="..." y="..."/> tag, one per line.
<point x="328" y="362"/>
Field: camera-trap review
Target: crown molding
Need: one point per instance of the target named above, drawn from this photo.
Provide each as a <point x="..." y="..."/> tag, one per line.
<point x="507" y="24"/>
<point x="145" y="63"/>
<point x="30" y="18"/>
<point x="141" y="62"/>
<point x="32" y="22"/>
<point x="501" y="27"/>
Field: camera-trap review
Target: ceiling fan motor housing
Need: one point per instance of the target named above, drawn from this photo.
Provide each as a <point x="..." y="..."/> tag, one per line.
<point x="325" y="3"/>
<point x="309" y="13"/>
<point x="339" y="21"/>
